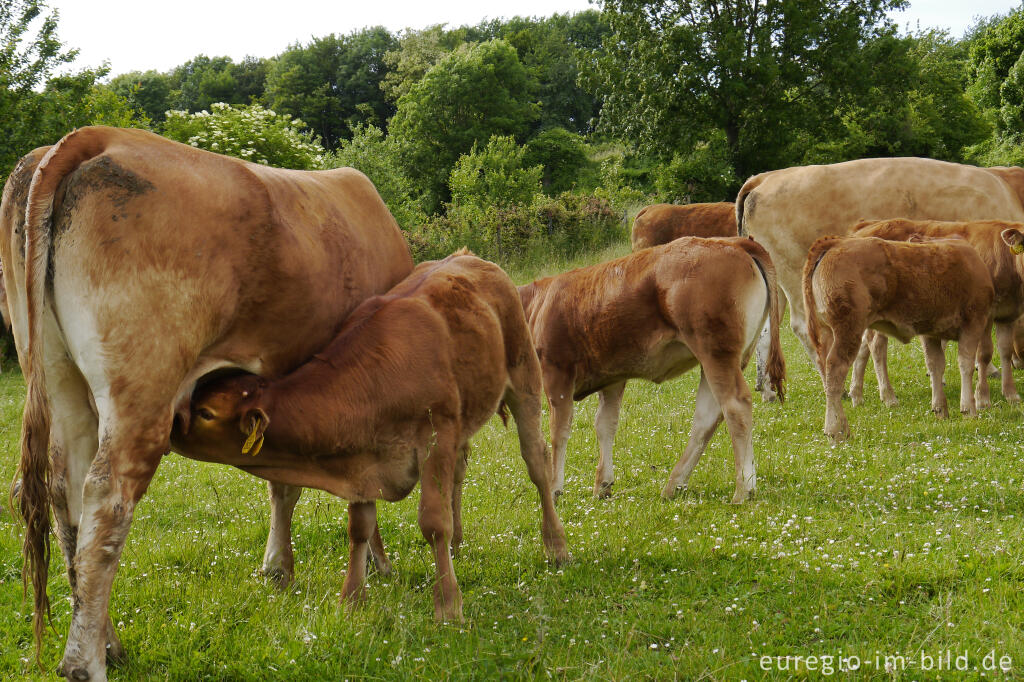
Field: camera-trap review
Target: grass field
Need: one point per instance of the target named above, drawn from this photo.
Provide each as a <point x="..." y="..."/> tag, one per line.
<point x="902" y="543"/>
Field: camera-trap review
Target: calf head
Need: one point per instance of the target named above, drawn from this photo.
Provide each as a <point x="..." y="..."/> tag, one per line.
<point x="1014" y="238"/>
<point x="227" y="414"/>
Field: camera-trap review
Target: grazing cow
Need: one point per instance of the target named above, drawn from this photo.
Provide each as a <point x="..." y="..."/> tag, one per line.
<point x="653" y="315"/>
<point x="1006" y="271"/>
<point x="134" y="266"/>
<point x="786" y="210"/>
<point x="393" y="399"/>
<point x="661" y="223"/>
<point x="937" y="289"/>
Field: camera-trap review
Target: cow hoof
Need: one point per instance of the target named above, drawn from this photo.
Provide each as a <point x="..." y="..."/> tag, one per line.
<point x="838" y="435"/>
<point x="1013" y="399"/>
<point x="671" y="490"/>
<point x="740" y="497"/>
<point x="940" y="412"/>
<point x="603" y="490"/>
<point x="555" y="495"/>
<point x="769" y="396"/>
<point x="983" y="404"/>
<point x="856" y="399"/>
<point x="278" y="576"/>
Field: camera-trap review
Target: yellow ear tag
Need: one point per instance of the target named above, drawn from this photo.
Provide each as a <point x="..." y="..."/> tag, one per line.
<point x="1017" y="248"/>
<point x="254" y="443"/>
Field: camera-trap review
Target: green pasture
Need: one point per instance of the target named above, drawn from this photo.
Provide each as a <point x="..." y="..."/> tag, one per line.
<point x="902" y="543"/>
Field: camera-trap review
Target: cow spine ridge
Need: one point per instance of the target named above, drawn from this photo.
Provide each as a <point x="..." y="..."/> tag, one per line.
<point x="776" y="361"/>
<point x="67" y="155"/>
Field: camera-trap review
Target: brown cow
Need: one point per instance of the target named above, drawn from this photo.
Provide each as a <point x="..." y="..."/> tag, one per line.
<point x="786" y="210"/>
<point x="1006" y="271"/>
<point x="653" y="315"/>
<point x="393" y="399"/>
<point x="937" y="290"/>
<point x="661" y="223"/>
<point x="134" y="266"/>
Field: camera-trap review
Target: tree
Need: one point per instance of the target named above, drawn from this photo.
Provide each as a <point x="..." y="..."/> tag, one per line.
<point x="25" y="63"/>
<point x="248" y="132"/>
<point x="149" y="92"/>
<point x="334" y="83"/>
<point x="471" y="94"/>
<point x="495" y="176"/>
<point x="760" y="72"/>
<point x="562" y="155"/>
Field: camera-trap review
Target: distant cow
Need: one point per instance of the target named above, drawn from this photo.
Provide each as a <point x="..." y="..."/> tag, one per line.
<point x="786" y="210"/>
<point x="1006" y="271"/>
<point x="661" y="223"/>
<point x="937" y="290"/>
<point x="133" y="267"/>
<point x="653" y="315"/>
<point x="391" y="401"/>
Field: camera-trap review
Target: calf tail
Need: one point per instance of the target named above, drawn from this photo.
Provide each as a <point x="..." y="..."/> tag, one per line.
<point x="34" y="502"/>
<point x="776" y="364"/>
<point x="818" y="250"/>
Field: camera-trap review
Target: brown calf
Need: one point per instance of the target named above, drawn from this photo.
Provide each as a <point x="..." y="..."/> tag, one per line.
<point x="1006" y="272"/>
<point x="937" y="290"/>
<point x="661" y="223"/>
<point x="392" y="400"/>
<point x="653" y="315"/>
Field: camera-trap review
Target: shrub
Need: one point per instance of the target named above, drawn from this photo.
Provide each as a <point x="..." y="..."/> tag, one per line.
<point x="563" y="155"/>
<point x="494" y="176"/>
<point x="248" y="132"/>
<point x="703" y="174"/>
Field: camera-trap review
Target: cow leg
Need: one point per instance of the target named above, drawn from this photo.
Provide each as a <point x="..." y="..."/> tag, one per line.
<point x="842" y="348"/>
<point x="278" y="560"/>
<point x="733" y="395"/>
<point x="460" y="476"/>
<point x="377" y="551"/>
<point x="935" y="359"/>
<point x="860" y="365"/>
<point x="560" y="401"/>
<point x="362" y="523"/>
<point x="973" y="347"/>
<point x="763" y="346"/>
<point x="116" y="480"/>
<point x="982" y="392"/>
<point x="525" y="408"/>
<point x="879" y="346"/>
<point x="706" y="417"/>
<point x="437" y="471"/>
<point x="1004" y="343"/>
<point x="606" y="423"/>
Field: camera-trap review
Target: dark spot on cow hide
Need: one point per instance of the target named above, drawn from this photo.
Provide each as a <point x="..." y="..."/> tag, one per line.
<point x="99" y="175"/>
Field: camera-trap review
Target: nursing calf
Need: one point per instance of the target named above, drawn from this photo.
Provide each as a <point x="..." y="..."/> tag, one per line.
<point x="392" y="400"/>
<point x="653" y="315"/>
<point x="937" y="290"/>
<point x="1006" y="272"/>
<point x="661" y="223"/>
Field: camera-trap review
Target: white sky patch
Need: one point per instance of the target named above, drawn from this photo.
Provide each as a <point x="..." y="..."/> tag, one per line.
<point x="137" y="36"/>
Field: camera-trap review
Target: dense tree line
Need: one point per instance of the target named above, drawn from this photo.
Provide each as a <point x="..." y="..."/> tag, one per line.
<point x="526" y="128"/>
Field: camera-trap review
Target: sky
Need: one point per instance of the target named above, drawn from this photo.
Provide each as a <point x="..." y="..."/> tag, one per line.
<point x="137" y="35"/>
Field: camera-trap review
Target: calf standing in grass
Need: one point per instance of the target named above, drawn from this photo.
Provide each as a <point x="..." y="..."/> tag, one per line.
<point x="393" y="400"/>
<point x="938" y="290"/>
<point x="653" y="315"/>
<point x="1006" y="272"/>
<point x="661" y="223"/>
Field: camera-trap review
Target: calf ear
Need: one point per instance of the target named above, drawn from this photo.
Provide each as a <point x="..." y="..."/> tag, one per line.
<point x="254" y="423"/>
<point x="1014" y="238"/>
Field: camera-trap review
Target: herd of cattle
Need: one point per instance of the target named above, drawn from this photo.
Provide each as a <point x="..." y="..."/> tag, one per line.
<point x="163" y="297"/>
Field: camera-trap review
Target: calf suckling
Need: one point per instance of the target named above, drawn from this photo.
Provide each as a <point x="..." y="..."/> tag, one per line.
<point x="936" y="289"/>
<point x="1007" y="274"/>
<point x="392" y="400"/>
<point x="654" y="315"/>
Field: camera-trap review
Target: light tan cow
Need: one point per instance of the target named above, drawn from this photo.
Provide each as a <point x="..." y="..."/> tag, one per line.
<point x="133" y="267"/>
<point x="1006" y="271"/>
<point x="661" y="223"/>
<point x="393" y="399"/>
<point x="655" y="314"/>
<point x="786" y="210"/>
<point x="938" y="289"/>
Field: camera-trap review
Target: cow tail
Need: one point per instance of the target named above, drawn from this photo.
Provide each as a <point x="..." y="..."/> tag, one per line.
<point x="818" y="250"/>
<point x="776" y="365"/>
<point x="741" y="199"/>
<point x="34" y="468"/>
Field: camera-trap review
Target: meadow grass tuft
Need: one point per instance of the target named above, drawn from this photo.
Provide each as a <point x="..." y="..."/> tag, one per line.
<point x="896" y="547"/>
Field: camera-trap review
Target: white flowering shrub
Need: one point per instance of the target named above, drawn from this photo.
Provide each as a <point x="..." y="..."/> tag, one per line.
<point x="248" y="132"/>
